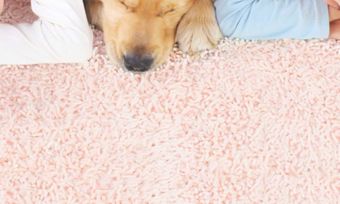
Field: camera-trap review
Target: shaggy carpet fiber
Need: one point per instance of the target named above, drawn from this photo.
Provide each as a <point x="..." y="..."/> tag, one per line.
<point x="247" y="122"/>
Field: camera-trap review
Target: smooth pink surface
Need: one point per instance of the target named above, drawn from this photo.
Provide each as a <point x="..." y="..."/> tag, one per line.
<point x="249" y="122"/>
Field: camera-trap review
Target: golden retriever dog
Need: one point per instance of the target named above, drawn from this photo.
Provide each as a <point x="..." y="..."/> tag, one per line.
<point x="140" y="34"/>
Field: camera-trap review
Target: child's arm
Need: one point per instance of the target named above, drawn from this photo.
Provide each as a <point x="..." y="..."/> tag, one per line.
<point x="273" y="19"/>
<point x="60" y="35"/>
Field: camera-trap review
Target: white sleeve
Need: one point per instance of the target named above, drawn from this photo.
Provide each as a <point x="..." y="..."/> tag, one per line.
<point x="60" y="35"/>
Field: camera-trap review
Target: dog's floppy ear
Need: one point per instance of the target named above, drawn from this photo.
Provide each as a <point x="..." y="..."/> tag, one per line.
<point x="198" y="29"/>
<point x="94" y="12"/>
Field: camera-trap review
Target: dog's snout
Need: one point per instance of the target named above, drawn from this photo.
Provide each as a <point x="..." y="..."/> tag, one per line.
<point x="138" y="63"/>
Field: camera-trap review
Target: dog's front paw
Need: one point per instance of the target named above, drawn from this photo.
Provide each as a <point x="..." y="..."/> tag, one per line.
<point x="198" y="31"/>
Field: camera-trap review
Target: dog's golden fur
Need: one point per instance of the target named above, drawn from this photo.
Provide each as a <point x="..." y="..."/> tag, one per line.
<point x="151" y="27"/>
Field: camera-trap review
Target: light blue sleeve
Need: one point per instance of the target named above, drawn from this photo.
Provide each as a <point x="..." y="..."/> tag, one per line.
<point x="273" y="19"/>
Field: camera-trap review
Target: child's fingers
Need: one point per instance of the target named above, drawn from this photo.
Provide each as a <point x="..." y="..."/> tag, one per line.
<point x="1" y="5"/>
<point x="334" y="3"/>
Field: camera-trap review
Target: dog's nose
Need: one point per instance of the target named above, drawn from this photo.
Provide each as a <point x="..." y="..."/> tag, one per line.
<point x="138" y="63"/>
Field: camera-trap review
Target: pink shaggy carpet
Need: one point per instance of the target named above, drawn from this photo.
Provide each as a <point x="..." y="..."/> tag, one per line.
<point x="248" y="122"/>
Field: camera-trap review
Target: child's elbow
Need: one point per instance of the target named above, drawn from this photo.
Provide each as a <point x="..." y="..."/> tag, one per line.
<point x="81" y="53"/>
<point x="77" y="50"/>
<point x="82" y="50"/>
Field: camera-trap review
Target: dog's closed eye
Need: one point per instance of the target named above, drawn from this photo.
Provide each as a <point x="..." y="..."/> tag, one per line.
<point x="166" y="12"/>
<point x="125" y="5"/>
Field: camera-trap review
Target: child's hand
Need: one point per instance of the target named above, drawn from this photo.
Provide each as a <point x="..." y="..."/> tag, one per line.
<point x="333" y="3"/>
<point x="1" y="5"/>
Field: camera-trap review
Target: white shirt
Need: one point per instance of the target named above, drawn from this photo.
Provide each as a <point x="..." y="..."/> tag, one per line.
<point x="60" y="35"/>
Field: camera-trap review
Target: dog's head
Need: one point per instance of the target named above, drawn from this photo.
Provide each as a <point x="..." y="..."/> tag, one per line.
<point x="140" y="34"/>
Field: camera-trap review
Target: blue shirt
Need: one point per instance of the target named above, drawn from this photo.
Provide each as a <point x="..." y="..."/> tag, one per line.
<point x="273" y="19"/>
